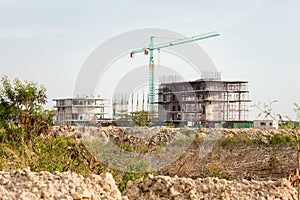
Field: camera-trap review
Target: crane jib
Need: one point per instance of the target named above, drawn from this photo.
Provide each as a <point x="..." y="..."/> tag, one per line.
<point x="175" y="42"/>
<point x="149" y="51"/>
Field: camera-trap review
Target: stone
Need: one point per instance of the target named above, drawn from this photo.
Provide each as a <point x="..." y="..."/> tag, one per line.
<point x="81" y="194"/>
<point x="208" y="188"/>
<point x="133" y="193"/>
<point x="24" y="184"/>
<point x="3" y="181"/>
<point x="174" y="192"/>
<point x="3" y="191"/>
<point x="205" y="188"/>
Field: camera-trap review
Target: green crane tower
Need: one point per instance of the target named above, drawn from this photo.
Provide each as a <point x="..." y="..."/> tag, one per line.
<point x="149" y="51"/>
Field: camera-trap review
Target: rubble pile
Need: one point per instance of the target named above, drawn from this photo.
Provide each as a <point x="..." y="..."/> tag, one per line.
<point x="165" y="187"/>
<point x="24" y="184"/>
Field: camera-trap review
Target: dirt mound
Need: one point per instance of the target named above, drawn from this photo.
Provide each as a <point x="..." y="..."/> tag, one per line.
<point x="24" y="184"/>
<point x="165" y="187"/>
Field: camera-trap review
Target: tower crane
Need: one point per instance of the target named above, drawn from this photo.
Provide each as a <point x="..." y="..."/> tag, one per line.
<point x="151" y="48"/>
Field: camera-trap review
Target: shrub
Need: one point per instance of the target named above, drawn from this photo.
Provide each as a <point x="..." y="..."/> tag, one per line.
<point x="228" y="177"/>
<point x="53" y="154"/>
<point x="273" y="162"/>
<point x="128" y="177"/>
<point x="255" y="141"/>
<point x="211" y="172"/>
<point x="281" y="139"/>
<point x="21" y="112"/>
<point x="125" y="146"/>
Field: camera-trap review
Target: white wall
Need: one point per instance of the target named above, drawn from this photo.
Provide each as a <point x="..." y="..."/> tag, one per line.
<point x="265" y="124"/>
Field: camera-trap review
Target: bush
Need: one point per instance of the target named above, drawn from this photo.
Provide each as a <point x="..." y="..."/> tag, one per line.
<point x="255" y="141"/>
<point x="128" y="177"/>
<point x="21" y="112"/>
<point x="212" y="172"/>
<point x="228" y="177"/>
<point x="140" y="118"/>
<point x="281" y="139"/>
<point x="229" y="142"/>
<point x="273" y="162"/>
<point x="53" y="154"/>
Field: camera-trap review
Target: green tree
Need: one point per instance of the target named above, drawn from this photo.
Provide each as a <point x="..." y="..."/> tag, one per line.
<point x="140" y="117"/>
<point x="21" y="111"/>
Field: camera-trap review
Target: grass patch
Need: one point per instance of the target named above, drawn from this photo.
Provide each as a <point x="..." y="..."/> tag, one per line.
<point x="282" y="139"/>
<point x="128" y="177"/>
<point x="126" y="147"/>
<point x="211" y="172"/>
<point x="228" y="177"/>
<point x="255" y="141"/>
<point x="62" y="154"/>
<point x="273" y="162"/>
<point x="54" y="154"/>
<point x="236" y="140"/>
<point x="216" y="172"/>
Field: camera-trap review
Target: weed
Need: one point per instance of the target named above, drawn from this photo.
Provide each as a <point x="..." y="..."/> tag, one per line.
<point x="282" y="139"/>
<point x="228" y="177"/>
<point x="197" y="140"/>
<point x="273" y="162"/>
<point x="126" y="147"/>
<point x="159" y="149"/>
<point x="211" y="172"/>
<point x="164" y="130"/>
<point x="53" y="154"/>
<point x="142" y="148"/>
<point x="229" y="142"/>
<point x="170" y="125"/>
<point x="255" y="141"/>
<point x="128" y="177"/>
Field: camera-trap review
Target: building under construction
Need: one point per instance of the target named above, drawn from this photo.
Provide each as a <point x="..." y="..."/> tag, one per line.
<point x="207" y="101"/>
<point x="80" y="110"/>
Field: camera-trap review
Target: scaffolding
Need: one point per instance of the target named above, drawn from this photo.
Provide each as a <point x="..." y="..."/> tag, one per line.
<point x="205" y="101"/>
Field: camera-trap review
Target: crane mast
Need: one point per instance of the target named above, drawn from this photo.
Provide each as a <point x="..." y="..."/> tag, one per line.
<point x="151" y="78"/>
<point x="149" y="51"/>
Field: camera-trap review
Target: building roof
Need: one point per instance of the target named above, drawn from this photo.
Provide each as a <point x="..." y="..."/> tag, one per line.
<point x="81" y="98"/>
<point x="207" y="80"/>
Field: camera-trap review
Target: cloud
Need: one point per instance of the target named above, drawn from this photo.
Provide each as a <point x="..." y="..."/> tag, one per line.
<point x="19" y="33"/>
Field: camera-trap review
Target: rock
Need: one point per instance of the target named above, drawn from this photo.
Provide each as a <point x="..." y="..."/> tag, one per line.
<point x="164" y="187"/>
<point x="3" y="191"/>
<point x="24" y="184"/>
<point x="3" y="181"/>
<point x="205" y="188"/>
<point x="27" y="195"/>
<point x="193" y="195"/>
<point x="81" y="194"/>
<point x="110" y="186"/>
<point x="133" y="193"/>
<point x="173" y="192"/>
<point x="125" y="198"/>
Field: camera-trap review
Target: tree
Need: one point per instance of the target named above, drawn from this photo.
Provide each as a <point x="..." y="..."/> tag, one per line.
<point x="140" y="117"/>
<point x="21" y="108"/>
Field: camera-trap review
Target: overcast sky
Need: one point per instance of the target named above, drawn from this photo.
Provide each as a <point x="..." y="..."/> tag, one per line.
<point x="48" y="41"/>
